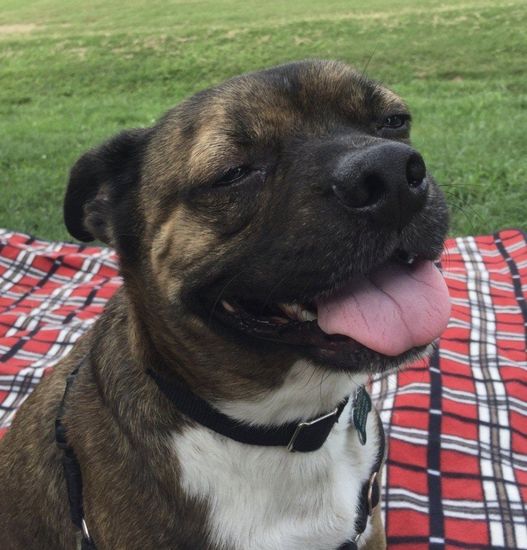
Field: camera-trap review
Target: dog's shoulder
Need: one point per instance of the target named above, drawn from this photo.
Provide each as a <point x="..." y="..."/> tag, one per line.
<point x="32" y="488"/>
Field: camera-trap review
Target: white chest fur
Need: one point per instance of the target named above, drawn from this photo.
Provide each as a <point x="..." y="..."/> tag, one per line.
<point x="266" y="498"/>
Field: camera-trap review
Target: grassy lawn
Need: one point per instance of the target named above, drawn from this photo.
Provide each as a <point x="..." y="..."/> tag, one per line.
<point x="73" y="73"/>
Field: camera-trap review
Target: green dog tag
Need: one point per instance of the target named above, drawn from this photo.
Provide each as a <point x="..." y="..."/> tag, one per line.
<point x="361" y="409"/>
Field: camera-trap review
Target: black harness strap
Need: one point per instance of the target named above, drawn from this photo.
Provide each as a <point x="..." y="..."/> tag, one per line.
<point x="71" y="467"/>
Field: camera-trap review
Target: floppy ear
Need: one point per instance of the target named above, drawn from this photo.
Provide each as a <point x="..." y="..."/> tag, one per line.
<point x="101" y="185"/>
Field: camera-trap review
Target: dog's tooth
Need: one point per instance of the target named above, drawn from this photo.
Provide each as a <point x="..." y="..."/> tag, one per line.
<point x="308" y="315"/>
<point x="297" y="312"/>
<point x="228" y="306"/>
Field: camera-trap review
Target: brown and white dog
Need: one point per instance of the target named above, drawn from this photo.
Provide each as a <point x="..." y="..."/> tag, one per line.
<point x="276" y="235"/>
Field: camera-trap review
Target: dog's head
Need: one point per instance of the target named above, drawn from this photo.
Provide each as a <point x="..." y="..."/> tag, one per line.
<point x="255" y="206"/>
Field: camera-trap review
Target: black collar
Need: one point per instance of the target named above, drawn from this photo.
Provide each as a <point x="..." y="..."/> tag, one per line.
<point x="300" y="436"/>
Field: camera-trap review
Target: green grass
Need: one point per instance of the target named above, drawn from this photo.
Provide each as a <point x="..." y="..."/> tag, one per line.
<point x="73" y="73"/>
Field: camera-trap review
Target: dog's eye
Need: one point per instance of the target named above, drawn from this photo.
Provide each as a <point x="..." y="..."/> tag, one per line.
<point x="233" y="175"/>
<point x="395" y="121"/>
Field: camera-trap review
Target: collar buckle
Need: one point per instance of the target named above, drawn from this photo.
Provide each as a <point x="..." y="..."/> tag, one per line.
<point x="310" y="435"/>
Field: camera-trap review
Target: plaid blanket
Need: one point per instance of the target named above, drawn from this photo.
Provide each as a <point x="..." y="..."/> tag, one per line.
<point x="456" y="475"/>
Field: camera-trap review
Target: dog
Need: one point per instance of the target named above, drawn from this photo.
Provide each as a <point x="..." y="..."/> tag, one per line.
<point x="276" y="236"/>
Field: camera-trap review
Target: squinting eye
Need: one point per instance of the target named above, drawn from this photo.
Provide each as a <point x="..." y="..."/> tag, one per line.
<point x="232" y="175"/>
<point x="395" y="121"/>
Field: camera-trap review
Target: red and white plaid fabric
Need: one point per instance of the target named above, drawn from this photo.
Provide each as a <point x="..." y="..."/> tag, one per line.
<point x="456" y="475"/>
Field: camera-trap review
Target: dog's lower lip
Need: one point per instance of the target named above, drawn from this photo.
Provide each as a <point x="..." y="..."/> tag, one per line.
<point x="290" y="329"/>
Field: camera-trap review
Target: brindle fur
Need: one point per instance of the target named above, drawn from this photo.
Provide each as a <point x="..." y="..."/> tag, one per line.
<point x="149" y="194"/>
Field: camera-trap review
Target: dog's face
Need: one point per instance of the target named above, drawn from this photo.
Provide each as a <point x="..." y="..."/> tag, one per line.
<point x="257" y="205"/>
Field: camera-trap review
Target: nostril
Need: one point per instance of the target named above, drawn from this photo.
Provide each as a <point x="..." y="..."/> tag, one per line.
<point x="415" y="170"/>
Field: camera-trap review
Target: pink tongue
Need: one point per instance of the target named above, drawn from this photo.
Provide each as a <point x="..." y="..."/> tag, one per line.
<point x="391" y="310"/>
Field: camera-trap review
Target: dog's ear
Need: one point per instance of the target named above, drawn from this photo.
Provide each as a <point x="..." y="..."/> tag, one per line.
<point x="100" y="182"/>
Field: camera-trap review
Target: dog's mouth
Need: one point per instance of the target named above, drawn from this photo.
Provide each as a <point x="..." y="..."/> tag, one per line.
<point x="399" y="307"/>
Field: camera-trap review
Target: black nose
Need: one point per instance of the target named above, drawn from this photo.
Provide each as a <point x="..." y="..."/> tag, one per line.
<point x="387" y="181"/>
